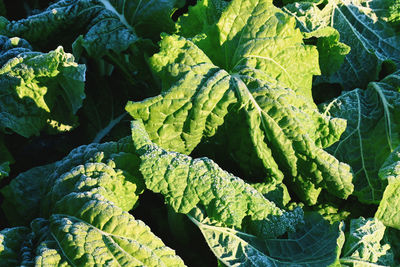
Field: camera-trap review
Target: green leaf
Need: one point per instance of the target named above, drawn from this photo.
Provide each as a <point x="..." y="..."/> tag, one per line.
<point x="363" y="245"/>
<point x="372" y="133"/>
<point x="331" y="212"/>
<point x="27" y="187"/>
<point x="38" y="90"/>
<point x="84" y="200"/>
<point x="388" y="210"/>
<point x="11" y="241"/>
<point x="112" y="166"/>
<point x="106" y="25"/>
<point x="90" y="222"/>
<point x="186" y="183"/>
<point x="200" y="17"/>
<point x="331" y="51"/>
<point x="5" y="159"/>
<point x="4" y="169"/>
<point x="279" y="131"/>
<point x="315" y="244"/>
<point x="275" y="192"/>
<point x="117" y="31"/>
<point x="388" y="10"/>
<point x="260" y="36"/>
<point x="372" y="40"/>
<point x="392" y="236"/>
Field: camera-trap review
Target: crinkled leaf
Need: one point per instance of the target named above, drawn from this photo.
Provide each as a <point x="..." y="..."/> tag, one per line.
<point x="331" y="212"/>
<point x="11" y="241"/>
<point x="109" y="167"/>
<point x="84" y="200"/>
<point x="260" y="36"/>
<point x="364" y="247"/>
<point x="279" y="131"/>
<point x="186" y="183"/>
<point x="86" y="229"/>
<point x="200" y="17"/>
<point x="38" y="90"/>
<point x="275" y="192"/>
<point x="388" y="210"/>
<point x="372" y="40"/>
<point x="106" y="233"/>
<point x="372" y="133"/>
<point x="106" y="25"/>
<point x="331" y="51"/>
<point x="26" y="188"/>
<point x="315" y="244"/>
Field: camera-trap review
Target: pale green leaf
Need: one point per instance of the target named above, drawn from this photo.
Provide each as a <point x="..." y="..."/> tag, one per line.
<point x="38" y="90"/>
<point x="276" y="130"/>
<point x="200" y="17"/>
<point x="112" y="166"/>
<point x="388" y="210"/>
<point x="186" y="183"/>
<point x="84" y="201"/>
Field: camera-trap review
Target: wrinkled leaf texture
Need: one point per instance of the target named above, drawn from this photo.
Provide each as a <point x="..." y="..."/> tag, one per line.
<point x="39" y="91"/>
<point x="242" y="85"/>
<point x="372" y="133"/>
<point x="372" y="39"/>
<point x="81" y="204"/>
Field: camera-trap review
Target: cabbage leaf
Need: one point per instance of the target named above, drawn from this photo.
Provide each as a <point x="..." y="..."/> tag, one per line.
<point x="244" y="87"/>
<point x="372" y="133"/>
<point x="38" y="90"/>
<point x="372" y="39"/>
<point x="81" y="206"/>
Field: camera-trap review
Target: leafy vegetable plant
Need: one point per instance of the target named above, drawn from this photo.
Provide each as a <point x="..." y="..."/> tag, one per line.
<point x="200" y="133"/>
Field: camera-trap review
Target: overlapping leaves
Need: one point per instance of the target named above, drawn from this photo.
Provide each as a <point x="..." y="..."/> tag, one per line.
<point x="315" y="243"/>
<point x="371" y="135"/>
<point x="38" y="90"/>
<point x="373" y="41"/>
<point x="105" y="25"/>
<point x="187" y="183"/>
<point x="81" y="206"/>
<point x="235" y="75"/>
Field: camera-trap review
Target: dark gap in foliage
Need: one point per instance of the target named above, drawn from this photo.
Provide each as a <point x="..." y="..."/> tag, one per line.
<point x="107" y="91"/>
<point x="293" y="197"/>
<point x="284" y="236"/>
<point x="278" y="3"/>
<point x="65" y="38"/>
<point x="36" y="151"/>
<point x="326" y="91"/>
<point x="183" y="10"/>
<point x="357" y="208"/>
<point x="3" y="219"/>
<point x="212" y="149"/>
<point x="19" y="9"/>
<point x="387" y="68"/>
<point x="41" y="150"/>
<point x="322" y="5"/>
<point x="171" y="228"/>
<point x="311" y="41"/>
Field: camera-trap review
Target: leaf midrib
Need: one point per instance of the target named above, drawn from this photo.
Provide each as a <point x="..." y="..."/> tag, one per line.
<point x="121" y="17"/>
